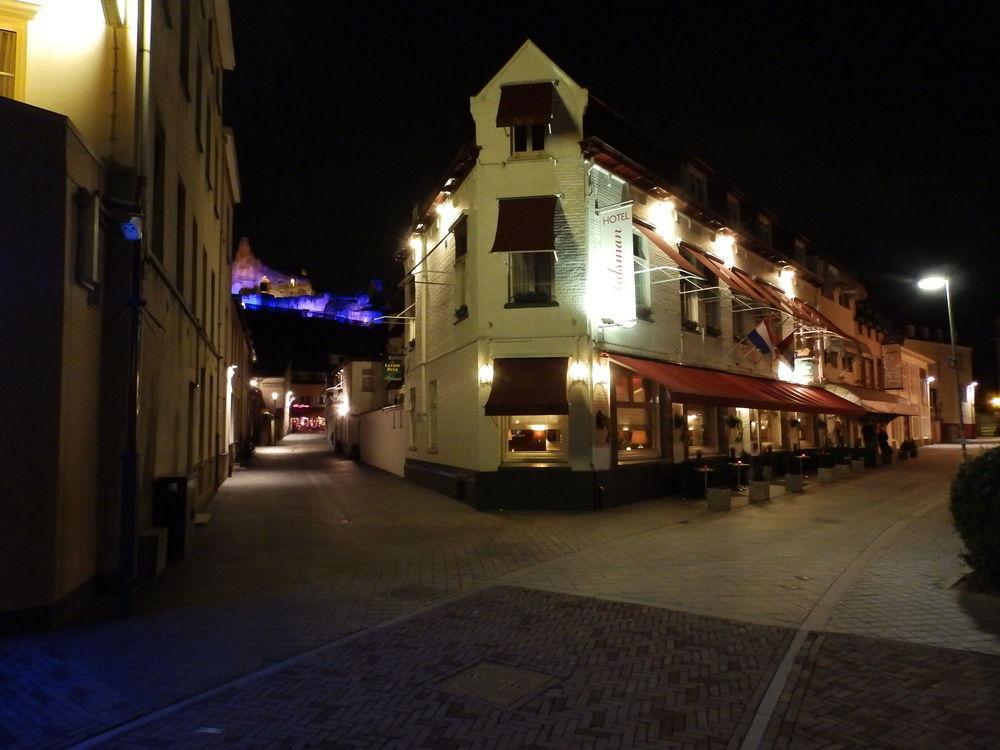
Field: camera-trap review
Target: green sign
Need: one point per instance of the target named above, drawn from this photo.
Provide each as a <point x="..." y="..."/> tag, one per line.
<point x="393" y="371"/>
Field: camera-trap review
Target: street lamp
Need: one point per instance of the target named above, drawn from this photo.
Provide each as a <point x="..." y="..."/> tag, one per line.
<point x="933" y="284"/>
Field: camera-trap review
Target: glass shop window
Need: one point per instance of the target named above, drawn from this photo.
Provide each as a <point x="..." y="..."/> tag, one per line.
<point x="701" y="430"/>
<point x="535" y="437"/>
<point x="636" y="404"/>
<point x="769" y="430"/>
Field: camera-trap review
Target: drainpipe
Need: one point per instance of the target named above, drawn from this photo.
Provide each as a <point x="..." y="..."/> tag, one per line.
<point x="130" y="454"/>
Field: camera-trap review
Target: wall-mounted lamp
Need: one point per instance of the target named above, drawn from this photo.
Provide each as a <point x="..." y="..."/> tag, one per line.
<point x="254" y="383"/>
<point x="931" y="379"/>
<point x="343" y="408"/>
<point x="601" y="372"/>
<point x="578" y="372"/>
<point x="485" y="374"/>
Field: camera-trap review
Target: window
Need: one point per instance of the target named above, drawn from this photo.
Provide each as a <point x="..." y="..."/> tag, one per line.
<point x="527" y="138"/>
<point x="181" y="235"/>
<point x="697" y="187"/>
<point x="432" y="409"/>
<point x="368" y="379"/>
<point x="636" y="407"/>
<point x="830" y="359"/>
<point x="532" y="277"/>
<point x="185" y="58"/>
<point x="9" y="68"/>
<point x="199" y="69"/>
<point x="641" y="276"/>
<point x="208" y="141"/>
<point x="733" y="203"/>
<point x="88" y="239"/>
<point x="848" y="363"/>
<point x="411" y="409"/>
<point x="844" y="300"/>
<point x="159" y="188"/>
<point x="194" y="267"/>
<point x="535" y="437"/>
<point x="700" y="303"/>
<point x="204" y="280"/>
<point x="768" y="429"/>
<point x="701" y="429"/>
<point x="764" y="230"/>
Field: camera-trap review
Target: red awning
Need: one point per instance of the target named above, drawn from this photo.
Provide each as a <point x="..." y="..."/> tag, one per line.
<point x="670" y="251"/>
<point x="698" y="385"/>
<point x="526" y="225"/>
<point x="525" y="104"/>
<point x="528" y="385"/>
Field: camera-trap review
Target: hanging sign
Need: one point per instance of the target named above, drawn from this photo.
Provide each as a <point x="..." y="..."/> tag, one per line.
<point x="892" y="363"/>
<point x="615" y="267"/>
<point x="393" y="372"/>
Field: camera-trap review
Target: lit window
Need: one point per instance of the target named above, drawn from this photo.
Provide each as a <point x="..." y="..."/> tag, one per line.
<point x="701" y="433"/>
<point x="635" y="405"/>
<point x="532" y="277"/>
<point x="525" y="138"/>
<point x="368" y="379"/>
<point x="535" y="436"/>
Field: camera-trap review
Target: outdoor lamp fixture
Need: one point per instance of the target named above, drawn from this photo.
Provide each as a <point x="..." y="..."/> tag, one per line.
<point x="786" y="279"/>
<point x="602" y="372"/>
<point x="485" y="374"/>
<point x="274" y="396"/>
<point x="931" y="379"/>
<point x="995" y="402"/>
<point x="254" y="383"/>
<point x="343" y="408"/>
<point x="933" y="284"/>
<point x="578" y="372"/>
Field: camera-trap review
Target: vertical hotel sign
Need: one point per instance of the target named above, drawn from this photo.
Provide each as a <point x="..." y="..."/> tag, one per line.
<point x="615" y="290"/>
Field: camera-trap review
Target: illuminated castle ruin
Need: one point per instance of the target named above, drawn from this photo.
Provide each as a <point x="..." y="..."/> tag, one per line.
<point x="261" y="287"/>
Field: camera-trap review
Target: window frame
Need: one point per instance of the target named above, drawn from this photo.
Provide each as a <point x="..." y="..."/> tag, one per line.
<point x="650" y="405"/>
<point x="19" y="28"/>
<point x="640" y="275"/>
<point x="534" y="138"/>
<point x="526" y="296"/>
<point x="559" y="456"/>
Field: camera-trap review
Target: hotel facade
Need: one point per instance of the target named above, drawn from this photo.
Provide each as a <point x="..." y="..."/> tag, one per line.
<point x="578" y="301"/>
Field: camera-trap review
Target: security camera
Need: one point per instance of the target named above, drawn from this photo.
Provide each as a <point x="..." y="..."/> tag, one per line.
<point x="132" y="229"/>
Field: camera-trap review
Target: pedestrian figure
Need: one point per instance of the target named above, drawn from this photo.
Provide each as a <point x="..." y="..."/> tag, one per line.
<point x="883" y="441"/>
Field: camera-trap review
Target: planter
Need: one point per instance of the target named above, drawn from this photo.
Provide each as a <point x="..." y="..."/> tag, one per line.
<point x="842" y="471"/>
<point x="826" y="475"/>
<point x="767" y="472"/>
<point x="857" y="465"/>
<point x="794" y="483"/>
<point x="719" y="498"/>
<point x="759" y="492"/>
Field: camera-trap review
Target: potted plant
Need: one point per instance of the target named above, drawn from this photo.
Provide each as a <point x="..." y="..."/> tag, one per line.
<point x="690" y="325"/>
<point x="462" y="312"/>
<point x="713" y="331"/>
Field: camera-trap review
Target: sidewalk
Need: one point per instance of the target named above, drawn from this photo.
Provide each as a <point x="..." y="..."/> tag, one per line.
<point x="305" y="549"/>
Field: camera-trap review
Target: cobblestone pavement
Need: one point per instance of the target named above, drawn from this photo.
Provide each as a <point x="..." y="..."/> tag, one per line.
<point x="304" y="549"/>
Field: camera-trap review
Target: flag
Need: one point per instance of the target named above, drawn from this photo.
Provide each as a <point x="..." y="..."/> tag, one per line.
<point x="785" y="350"/>
<point x="763" y="337"/>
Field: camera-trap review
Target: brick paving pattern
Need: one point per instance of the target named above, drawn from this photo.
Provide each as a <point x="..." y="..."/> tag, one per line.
<point x="624" y="676"/>
<point x="850" y="691"/>
<point x="305" y="548"/>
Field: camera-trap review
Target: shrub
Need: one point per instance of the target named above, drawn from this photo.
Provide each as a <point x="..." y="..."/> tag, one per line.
<point x="975" y="510"/>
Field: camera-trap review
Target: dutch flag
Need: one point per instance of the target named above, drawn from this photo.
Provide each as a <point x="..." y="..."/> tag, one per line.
<point x="762" y="337"/>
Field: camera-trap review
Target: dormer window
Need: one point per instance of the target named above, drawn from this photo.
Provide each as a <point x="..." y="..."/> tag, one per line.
<point x="526" y="109"/>
<point x="697" y="187"/>
<point x="764" y="230"/>
<point x="733" y="203"/>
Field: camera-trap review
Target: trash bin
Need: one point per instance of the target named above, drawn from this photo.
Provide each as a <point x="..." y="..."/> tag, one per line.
<point x="172" y="509"/>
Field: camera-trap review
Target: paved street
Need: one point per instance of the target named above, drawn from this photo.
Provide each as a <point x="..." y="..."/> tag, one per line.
<point x="825" y="618"/>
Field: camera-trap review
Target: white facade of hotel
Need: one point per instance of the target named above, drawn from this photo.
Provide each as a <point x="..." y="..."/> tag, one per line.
<point x="463" y="316"/>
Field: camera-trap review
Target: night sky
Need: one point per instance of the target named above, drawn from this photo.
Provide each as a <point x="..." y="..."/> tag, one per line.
<point x="870" y="129"/>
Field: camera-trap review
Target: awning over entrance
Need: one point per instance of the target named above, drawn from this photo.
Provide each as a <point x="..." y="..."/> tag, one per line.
<point x="526" y="225"/>
<point x="525" y="104"/>
<point x="701" y="386"/>
<point x="875" y="401"/>
<point x="528" y="385"/>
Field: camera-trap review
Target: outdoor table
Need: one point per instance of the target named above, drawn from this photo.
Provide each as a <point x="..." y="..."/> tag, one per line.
<point x="705" y="471"/>
<point x="739" y="466"/>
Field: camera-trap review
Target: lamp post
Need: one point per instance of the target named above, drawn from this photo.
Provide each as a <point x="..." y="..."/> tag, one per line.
<point x="932" y="284"/>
